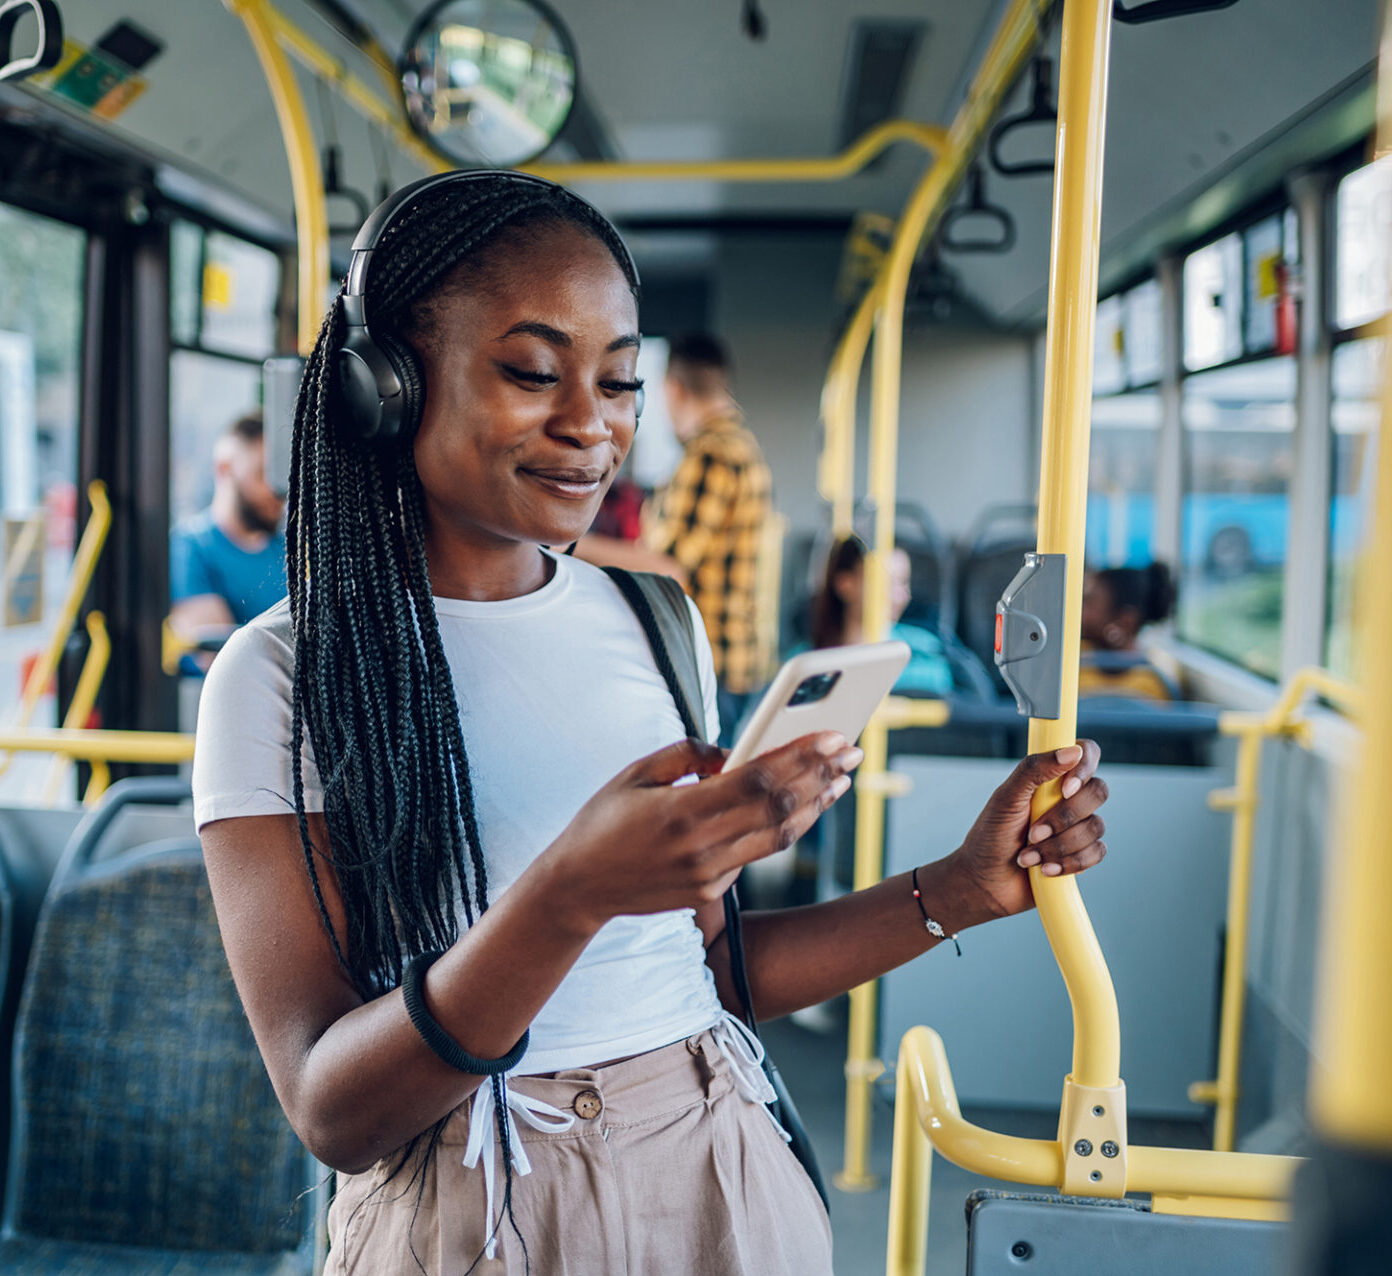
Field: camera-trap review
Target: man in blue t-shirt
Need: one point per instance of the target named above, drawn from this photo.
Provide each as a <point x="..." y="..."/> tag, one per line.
<point x="227" y="564"/>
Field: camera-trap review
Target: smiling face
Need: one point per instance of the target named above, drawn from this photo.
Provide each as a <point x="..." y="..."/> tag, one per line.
<point x="529" y="406"/>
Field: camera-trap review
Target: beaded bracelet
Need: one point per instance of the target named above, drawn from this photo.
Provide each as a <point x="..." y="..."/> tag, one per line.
<point x="438" y="1039"/>
<point x="933" y="928"/>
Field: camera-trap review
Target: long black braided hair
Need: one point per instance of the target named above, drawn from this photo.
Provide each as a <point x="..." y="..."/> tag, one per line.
<point x="371" y="686"/>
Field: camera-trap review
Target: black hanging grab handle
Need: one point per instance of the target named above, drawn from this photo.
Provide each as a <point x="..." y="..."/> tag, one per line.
<point x="48" y="50"/>
<point x="977" y="206"/>
<point x="333" y="185"/>
<point x="1159" y="10"/>
<point x="1043" y="110"/>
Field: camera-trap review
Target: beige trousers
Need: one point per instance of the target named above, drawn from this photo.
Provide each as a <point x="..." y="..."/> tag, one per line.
<point x="666" y="1172"/>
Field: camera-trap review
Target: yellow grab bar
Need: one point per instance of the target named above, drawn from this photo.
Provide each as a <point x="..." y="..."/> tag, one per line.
<point x="836" y="466"/>
<point x="84" y="567"/>
<point x="101" y="746"/>
<point x="1073" y="269"/>
<point x="1350" y="1098"/>
<point x="1014" y="39"/>
<point x="831" y="168"/>
<point x="927" y="1117"/>
<point x="84" y="700"/>
<point x="266" y="29"/>
<point x="1251" y="730"/>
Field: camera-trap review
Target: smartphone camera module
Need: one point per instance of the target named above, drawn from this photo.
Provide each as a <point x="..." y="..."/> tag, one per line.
<point x="815" y="688"/>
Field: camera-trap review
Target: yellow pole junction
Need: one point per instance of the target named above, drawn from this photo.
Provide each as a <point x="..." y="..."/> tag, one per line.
<point x="1350" y="1099"/>
<point x="1283" y="719"/>
<point x="266" y="29"/>
<point x="1014" y="39"/>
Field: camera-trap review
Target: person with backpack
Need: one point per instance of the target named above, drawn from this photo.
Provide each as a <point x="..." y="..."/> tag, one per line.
<point x="478" y="926"/>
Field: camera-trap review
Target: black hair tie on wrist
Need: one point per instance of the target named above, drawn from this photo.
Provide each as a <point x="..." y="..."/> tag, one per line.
<point x="445" y="1046"/>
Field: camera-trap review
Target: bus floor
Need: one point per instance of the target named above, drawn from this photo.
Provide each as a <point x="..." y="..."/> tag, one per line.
<point x="812" y="1063"/>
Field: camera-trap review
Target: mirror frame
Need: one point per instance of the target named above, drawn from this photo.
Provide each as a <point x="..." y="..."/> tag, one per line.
<point x="404" y="63"/>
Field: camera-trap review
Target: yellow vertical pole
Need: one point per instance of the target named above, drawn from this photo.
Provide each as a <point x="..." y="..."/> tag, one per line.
<point x="306" y="181"/>
<point x="1073" y="266"/>
<point x="1242" y="800"/>
<point x="836" y="477"/>
<point x="909" y="1182"/>
<point x="84" y="567"/>
<point x="1011" y="46"/>
<point x="1351" y="1085"/>
<point x="84" y="697"/>
<point x="1235" y="953"/>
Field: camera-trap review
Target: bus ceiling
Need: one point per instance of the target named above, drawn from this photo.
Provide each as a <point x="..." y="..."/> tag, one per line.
<point x="182" y="82"/>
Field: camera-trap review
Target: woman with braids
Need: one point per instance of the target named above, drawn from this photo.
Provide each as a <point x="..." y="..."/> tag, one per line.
<point x="475" y="922"/>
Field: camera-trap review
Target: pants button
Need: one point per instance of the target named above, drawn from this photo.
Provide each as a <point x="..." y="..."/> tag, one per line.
<point x="588" y="1104"/>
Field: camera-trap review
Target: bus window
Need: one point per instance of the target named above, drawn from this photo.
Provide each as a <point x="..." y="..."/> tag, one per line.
<point x="222" y="324"/>
<point x="1362" y="270"/>
<point x="1354" y="416"/>
<point x="41" y="292"/>
<point x="1121" y="478"/>
<point x="1239" y="424"/>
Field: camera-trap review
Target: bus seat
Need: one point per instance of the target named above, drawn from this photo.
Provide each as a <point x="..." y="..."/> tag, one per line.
<point x="143" y="1118"/>
<point x="1097" y="667"/>
<point x="1009" y="1233"/>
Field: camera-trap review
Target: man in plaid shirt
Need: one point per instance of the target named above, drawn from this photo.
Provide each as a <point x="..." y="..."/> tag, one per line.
<point x="710" y="517"/>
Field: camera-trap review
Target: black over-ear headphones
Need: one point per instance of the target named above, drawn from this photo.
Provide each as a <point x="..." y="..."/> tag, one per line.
<point x="379" y="382"/>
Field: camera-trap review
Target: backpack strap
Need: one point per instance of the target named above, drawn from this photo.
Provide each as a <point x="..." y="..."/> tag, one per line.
<point x="661" y="607"/>
<point x="660" y="604"/>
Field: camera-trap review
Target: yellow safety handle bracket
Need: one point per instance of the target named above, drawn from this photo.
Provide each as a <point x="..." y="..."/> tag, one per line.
<point x="1092" y="1138"/>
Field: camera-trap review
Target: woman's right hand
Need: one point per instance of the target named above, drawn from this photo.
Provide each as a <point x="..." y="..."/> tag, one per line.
<point x="644" y="844"/>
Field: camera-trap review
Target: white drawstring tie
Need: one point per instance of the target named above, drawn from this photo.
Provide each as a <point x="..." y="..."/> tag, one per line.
<point x="482" y="1138"/>
<point x="744" y="1052"/>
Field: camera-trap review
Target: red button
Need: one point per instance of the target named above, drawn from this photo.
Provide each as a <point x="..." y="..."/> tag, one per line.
<point x="1000" y="623"/>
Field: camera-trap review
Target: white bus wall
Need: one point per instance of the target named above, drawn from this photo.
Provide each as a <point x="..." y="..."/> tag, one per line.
<point x="965" y="438"/>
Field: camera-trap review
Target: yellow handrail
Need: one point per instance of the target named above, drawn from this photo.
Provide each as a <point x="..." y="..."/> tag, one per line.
<point x="102" y="746"/>
<point x="84" y="700"/>
<point x="1014" y="39"/>
<point x="926" y="1116"/>
<point x="267" y="29"/>
<point x="84" y="566"/>
<point x="1283" y="718"/>
<point x="830" y="168"/>
<point x="836" y="465"/>
<point x="1073" y="269"/>
<point x="387" y="115"/>
<point x="1350" y="1099"/>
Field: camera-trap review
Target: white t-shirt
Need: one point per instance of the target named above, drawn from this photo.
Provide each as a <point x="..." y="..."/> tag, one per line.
<point x="558" y="692"/>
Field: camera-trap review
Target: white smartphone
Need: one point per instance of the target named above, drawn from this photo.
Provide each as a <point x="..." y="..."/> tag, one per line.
<point x="831" y="689"/>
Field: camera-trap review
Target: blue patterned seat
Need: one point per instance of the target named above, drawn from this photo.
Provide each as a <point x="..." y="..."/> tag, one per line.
<point x="147" y="1136"/>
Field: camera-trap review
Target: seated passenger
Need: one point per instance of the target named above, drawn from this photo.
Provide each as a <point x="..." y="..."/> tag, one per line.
<point x="227" y="564"/>
<point x="1118" y="603"/>
<point x="476" y="925"/>
<point x="837" y="617"/>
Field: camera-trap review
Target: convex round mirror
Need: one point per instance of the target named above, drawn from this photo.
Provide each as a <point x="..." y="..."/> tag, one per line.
<point x="488" y="81"/>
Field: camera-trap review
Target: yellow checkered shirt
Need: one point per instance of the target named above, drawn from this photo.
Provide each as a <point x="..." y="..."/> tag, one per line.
<point x="710" y="518"/>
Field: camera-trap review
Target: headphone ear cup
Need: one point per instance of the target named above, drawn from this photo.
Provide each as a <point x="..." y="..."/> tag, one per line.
<point x="411" y="376"/>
